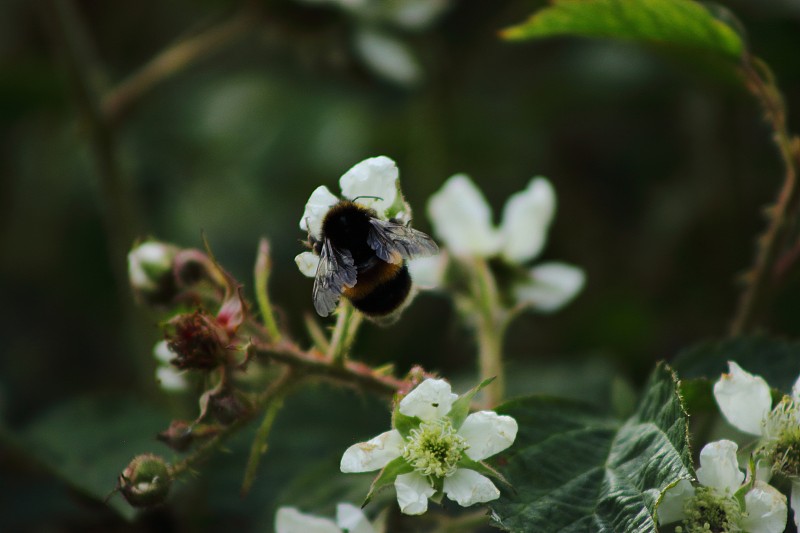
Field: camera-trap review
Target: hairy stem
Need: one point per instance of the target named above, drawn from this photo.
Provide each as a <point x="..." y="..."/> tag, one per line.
<point x="760" y="82"/>
<point x="315" y="363"/>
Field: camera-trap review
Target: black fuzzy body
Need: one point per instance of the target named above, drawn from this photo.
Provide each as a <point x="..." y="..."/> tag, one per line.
<point x="381" y="287"/>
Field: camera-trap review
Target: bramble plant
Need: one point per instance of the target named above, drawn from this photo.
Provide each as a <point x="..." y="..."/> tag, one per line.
<point x="525" y="464"/>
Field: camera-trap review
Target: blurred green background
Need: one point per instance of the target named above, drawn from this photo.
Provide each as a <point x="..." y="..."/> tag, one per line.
<point x="660" y="160"/>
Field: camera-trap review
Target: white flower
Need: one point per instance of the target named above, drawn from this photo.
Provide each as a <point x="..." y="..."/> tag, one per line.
<point x="714" y="501"/>
<point x="170" y="378"/>
<point x="349" y="518"/>
<point x="148" y="263"/>
<point x="388" y="57"/>
<point x="438" y="451"/>
<point x="746" y="403"/>
<point x="371" y="183"/>
<point x="462" y="219"/>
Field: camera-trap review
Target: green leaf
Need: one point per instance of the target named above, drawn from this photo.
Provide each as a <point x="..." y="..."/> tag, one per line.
<point x="776" y="360"/>
<point x="387" y="476"/>
<point x="404" y="424"/>
<point x="682" y="23"/>
<point x="89" y="441"/>
<point x="460" y="409"/>
<point x="575" y="469"/>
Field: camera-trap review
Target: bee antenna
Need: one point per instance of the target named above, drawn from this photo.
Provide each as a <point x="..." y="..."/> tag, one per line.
<point x="367" y="196"/>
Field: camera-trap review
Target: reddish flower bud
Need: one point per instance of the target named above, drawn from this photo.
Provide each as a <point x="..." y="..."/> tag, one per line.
<point x="145" y="481"/>
<point x="198" y="341"/>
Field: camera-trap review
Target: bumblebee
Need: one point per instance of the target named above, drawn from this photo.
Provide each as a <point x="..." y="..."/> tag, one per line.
<point x="363" y="258"/>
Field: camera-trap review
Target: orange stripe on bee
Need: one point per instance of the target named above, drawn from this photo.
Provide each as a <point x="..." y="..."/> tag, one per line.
<point x="371" y="278"/>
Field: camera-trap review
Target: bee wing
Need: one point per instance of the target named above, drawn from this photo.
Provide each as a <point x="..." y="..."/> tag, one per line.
<point x="336" y="271"/>
<point x="390" y="240"/>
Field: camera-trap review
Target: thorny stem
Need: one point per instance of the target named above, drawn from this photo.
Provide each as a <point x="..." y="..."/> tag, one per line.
<point x="348" y="321"/>
<point x="761" y="84"/>
<point x="315" y="363"/>
<point x="262" y="271"/>
<point x="492" y="321"/>
<point x="120" y="100"/>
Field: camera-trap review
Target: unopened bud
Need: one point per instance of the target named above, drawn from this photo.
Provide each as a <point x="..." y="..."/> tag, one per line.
<point x="198" y="342"/>
<point x="145" y="481"/>
<point x="229" y="407"/>
<point x="150" y="271"/>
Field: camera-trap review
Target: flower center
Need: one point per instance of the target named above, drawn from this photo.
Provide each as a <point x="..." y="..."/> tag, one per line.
<point x="782" y="430"/>
<point x="434" y="448"/>
<point x="707" y="512"/>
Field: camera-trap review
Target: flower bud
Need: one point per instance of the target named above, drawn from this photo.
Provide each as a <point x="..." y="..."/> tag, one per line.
<point x="198" y="341"/>
<point x="150" y="271"/>
<point x="229" y="407"/>
<point x="145" y="481"/>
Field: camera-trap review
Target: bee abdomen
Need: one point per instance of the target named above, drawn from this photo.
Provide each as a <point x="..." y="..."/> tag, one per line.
<point x="385" y="296"/>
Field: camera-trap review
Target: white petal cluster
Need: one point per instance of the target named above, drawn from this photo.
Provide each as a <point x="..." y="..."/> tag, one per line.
<point x="481" y="435"/>
<point x="148" y="263"/>
<point x="462" y="219"/>
<point x="169" y="378"/>
<point x="349" y="518"/>
<point x="746" y="403"/>
<point x="719" y="480"/>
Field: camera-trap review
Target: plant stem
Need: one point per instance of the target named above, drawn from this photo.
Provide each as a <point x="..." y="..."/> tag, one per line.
<point x="760" y="82"/>
<point x="262" y="270"/>
<point x="492" y="321"/>
<point x="259" y="446"/>
<point x="348" y="321"/>
<point x="118" y="203"/>
<point x="120" y="100"/>
<point x="315" y="363"/>
<point x="278" y="389"/>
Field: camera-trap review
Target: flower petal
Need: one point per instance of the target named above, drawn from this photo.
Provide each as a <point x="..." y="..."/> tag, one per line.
<point x="526" y="219"/>
<point x="162" y="352"/>
<point x="487" y="433"/>
<point x="317" y="206"/>
<point x="671" y="507"/>
<point x="794" y="501"/>
<point x="373" y="454"/>
<point x="290" y="520"/>
<point x="388" y="57"/>
<point x="743" y="398"/>
<point x="766" y="509"/>
<point x="307" y="263"/>
<point x="719" y="468"/>
<point x="467" y="487"/>
<point x="376" y="177"/>
<point x="796" y="389"/>
<point x="430" y="400"/>
<point x="462" y="218"/>
<point x="170" y="379"/>
<point x="428" y="272"/>
<point x="550" y="286"/>
<point x="353" y="519"/>
<point x="413" y="492"/>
